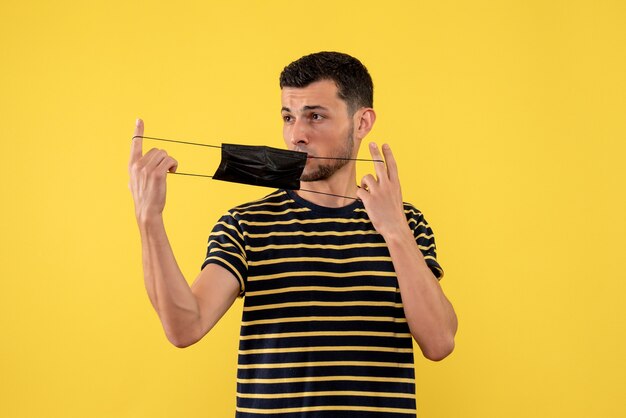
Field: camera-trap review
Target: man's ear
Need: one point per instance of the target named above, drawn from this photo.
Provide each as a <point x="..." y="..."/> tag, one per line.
<point x="364" y="121"/>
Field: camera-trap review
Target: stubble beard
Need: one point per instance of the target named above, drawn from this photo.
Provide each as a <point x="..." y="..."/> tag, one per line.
<point x="325" y="170"/>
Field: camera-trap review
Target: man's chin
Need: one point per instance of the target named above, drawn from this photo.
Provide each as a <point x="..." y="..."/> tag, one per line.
<point x="312" y="176"/>
<point x="309" y="178"/>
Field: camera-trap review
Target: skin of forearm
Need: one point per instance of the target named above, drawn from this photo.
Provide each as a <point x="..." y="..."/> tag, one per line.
<point x="167" y="288"/>
<point x="430" y="316"/>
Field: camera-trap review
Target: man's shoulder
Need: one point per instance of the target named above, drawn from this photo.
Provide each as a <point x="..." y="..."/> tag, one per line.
<point x="411" y="210"/>
<point x="275" y="200"/>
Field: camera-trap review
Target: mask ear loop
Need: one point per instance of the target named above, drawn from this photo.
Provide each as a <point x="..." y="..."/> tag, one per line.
<point x="219" y="147"/>
<point x="185" y="143"/>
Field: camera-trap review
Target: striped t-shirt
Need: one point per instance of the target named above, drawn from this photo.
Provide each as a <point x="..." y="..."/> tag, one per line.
<point x="323" y="332"/>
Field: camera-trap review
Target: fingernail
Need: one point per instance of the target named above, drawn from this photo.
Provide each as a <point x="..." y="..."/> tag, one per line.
<point x="137" y="122"/>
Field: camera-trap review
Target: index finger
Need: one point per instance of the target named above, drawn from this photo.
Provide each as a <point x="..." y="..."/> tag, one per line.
<point x="137" y="143"/>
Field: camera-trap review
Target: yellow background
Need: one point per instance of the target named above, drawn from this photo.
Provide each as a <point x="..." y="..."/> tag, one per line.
<point x="508" y="122"/>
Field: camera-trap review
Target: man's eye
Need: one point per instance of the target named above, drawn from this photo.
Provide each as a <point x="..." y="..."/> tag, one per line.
<point x="286" y="118"/>
<point x="317" y="116"/>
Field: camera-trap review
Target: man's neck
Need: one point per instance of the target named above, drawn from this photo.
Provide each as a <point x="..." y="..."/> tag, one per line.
<point x="337" y="191"/>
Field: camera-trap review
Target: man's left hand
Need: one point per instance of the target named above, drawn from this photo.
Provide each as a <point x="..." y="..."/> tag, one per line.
<point x="381" y="195"/>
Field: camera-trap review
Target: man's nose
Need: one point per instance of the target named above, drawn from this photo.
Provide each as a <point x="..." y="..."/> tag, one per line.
<point x="299" y="132"/>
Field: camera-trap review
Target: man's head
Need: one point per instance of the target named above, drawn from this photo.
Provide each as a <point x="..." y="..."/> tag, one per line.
<point x="353" y="81"/>
<point x="327" y="111"/>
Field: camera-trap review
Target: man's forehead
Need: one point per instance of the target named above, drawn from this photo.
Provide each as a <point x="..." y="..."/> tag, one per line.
<point x="320" y="93"/>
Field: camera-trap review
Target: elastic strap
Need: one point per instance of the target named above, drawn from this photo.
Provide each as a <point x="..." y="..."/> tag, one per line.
<point x="219" y="147"/>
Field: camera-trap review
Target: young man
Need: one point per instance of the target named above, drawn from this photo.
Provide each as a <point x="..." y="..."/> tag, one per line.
<point x="335" y="288"/>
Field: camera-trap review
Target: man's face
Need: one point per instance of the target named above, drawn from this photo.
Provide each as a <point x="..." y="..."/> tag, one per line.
<point x="316" y="121"/>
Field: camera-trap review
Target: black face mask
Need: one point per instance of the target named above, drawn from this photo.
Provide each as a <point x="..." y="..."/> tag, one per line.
<point x="261" y="166"/>
<point x="258" y="165"/>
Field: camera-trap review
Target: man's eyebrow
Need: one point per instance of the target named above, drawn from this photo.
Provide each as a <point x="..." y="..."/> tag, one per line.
<point x="316" y="107"/>
<point x="305" y="108"/>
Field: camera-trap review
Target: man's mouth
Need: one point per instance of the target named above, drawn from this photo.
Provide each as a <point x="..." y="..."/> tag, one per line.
<point x="308" y="154"/>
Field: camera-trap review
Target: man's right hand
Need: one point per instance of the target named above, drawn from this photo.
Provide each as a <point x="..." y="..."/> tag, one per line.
<point x="187" y="313"/>
<point x="148" y="176"/>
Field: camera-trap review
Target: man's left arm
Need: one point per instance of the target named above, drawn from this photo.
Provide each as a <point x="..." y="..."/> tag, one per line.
<point x="430" y="315"/>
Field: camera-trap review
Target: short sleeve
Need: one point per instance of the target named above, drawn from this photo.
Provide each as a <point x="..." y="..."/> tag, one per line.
<point x="226" y="248"/>
<point x="425" y="239"/>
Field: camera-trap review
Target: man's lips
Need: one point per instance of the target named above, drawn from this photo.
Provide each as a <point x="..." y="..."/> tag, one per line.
<point x="308" y="154"/>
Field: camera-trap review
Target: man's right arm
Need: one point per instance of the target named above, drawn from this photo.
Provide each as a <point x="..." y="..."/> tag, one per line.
<point x="187" y="313"/>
